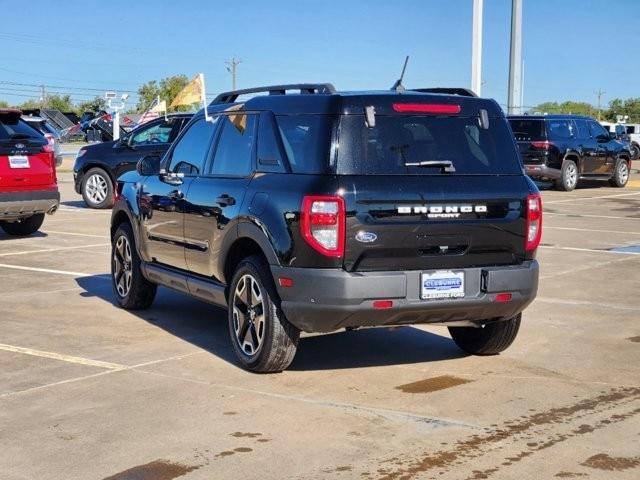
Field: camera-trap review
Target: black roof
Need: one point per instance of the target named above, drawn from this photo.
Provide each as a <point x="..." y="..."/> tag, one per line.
<point x="324" y="99"/>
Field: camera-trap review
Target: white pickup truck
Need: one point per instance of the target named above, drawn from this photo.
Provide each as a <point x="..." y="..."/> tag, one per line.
<point x="630" y="131"/>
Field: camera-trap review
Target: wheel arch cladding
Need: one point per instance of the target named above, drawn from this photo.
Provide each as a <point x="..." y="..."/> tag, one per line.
<point x="240" y="249"/>
<point x="118" y="219"/>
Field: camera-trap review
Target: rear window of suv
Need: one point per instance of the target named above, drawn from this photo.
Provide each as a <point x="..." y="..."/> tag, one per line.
<point x="398" y="140"/>
<point x="13" y="128"/>
<point x="527" y="130"/>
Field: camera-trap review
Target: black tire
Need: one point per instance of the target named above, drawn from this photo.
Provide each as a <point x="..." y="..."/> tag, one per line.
<point x="620" y="174"/>
<point x="491" y="339"/>
<point x="24" y="226"/>
<point x="568" y="176"/>
<point x="635" y="151"/>
<point x="96" y="178"/>
<point x="139" y="292"/>
<point x="275" y="337"/>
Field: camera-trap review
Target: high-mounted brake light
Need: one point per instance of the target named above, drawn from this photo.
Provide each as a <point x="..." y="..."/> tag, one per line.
<point x="426" y="108"/>
<point x="546" y="145"/>
<point x="322" y="223"/>
<point x="534" y="221"/>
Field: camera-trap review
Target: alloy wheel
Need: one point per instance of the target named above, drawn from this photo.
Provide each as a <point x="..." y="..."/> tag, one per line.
<point x="572" y="175"/>
<point x="122" y="266"/>
<point x="96" y="188"/>
<point x="623" y="172"/>
<point x="248" y="315"/>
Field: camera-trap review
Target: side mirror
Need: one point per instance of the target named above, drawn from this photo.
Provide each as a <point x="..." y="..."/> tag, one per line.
<point x="148" y="166"/>
<point x="613" y="135"/>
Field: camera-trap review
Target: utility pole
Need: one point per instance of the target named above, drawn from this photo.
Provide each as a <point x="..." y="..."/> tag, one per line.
<point x="515" y="59"/>
<point x="232" y="66"/>
<point x="43" y="96"/>
<point x="476" y="47"/>
<point x="599" y="93"/>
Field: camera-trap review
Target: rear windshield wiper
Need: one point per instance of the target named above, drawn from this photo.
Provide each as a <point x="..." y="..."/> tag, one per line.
<point x="19" y="136"/>
<point x="446" y="165"/>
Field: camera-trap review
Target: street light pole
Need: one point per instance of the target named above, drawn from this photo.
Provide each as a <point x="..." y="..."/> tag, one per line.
<point x="515" y="59"/>
<point x="476" y="47"/>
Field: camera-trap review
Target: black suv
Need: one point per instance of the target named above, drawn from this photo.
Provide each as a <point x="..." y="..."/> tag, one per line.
<point x="98" y="166"/>
<point x="321" y="210"/>
<point x="568" y="148"/>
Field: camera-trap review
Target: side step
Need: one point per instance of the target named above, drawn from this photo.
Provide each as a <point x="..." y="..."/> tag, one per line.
<point x="207" y="290"/>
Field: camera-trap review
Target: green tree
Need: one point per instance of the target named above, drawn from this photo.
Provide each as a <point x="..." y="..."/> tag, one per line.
<point x="94" y="105"/>
<point x="30" y="105"/>
<point x="167" y="89"/>
<point x="630" y="107"/>
<point x="4" y="104"/>
<point x="60" y="102"/>
<point x="577" y="108"/>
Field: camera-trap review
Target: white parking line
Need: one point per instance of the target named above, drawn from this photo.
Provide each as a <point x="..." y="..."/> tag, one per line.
<point x="581" y="215"/>
<point x="78" y="234"/>
<point x="62" y="357"/>
<point x="48" y="270"/>
<point x="99" y="374"/>
<point x="578" y="199"/>
<point x="547" y="227"/>
<point x="58" y="249"/>
<point x="593" y="250"/>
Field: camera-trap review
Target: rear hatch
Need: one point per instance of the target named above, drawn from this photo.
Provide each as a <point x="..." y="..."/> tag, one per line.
<point x="531" y="135"/>
<point x="26" y="158"/>
<point x="464" y="209"/>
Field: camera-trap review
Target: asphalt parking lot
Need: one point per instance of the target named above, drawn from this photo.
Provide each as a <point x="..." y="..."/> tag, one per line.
<point x="89" y="391"/>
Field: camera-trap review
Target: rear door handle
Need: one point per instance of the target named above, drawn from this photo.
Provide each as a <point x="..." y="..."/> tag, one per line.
<point x="176" y="195"/>
<point x="225" y="200"/>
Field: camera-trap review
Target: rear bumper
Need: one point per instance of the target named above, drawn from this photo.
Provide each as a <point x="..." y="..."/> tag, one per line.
<point x="14" y="205"/>
<point x="322" y="300"/>
<point x="542" y="171"/>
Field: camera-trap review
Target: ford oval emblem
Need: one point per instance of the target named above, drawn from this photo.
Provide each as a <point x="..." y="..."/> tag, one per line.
<point x="20" y="146"/>
<point x="366" y="237"/>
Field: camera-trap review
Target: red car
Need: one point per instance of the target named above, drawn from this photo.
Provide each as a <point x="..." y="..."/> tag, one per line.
<point x="28" y="182"/>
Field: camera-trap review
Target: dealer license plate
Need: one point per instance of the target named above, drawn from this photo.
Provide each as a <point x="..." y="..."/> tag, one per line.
<point x="442" y="284"/>
<point x="18" y="161"/>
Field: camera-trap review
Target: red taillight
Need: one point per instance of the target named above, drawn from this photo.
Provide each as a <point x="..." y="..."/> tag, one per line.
<point x="534" y="221"/>
<point x="426" y="108"/>
<point x="285" y="282"/>
<point x="546" y="145"/>
<point x="322" y="223"/>
<point x="50" y="146"/>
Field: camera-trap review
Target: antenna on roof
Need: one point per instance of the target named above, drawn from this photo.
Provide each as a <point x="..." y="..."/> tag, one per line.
<point x="398" y="87"/>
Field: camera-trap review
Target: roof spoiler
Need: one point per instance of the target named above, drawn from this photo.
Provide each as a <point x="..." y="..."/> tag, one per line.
<point x="463" y="92"/>
<point x="303" y="88"/>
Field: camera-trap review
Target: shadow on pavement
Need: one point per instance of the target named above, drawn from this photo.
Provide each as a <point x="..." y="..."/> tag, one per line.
<point x="205" y="326"/>
<point x="5" y="236"/>
<point x="74" y="204"/>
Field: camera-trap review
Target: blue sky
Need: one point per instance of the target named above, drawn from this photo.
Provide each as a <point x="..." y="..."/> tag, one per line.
<point x="571" y="47"/>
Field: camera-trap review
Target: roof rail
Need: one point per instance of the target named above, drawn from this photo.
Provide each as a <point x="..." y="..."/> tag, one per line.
<point x="305" y="88"/>
<point x="463" y="92"/>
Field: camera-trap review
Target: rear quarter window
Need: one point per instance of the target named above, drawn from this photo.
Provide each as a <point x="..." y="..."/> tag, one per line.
<point x="306" y="140"/>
